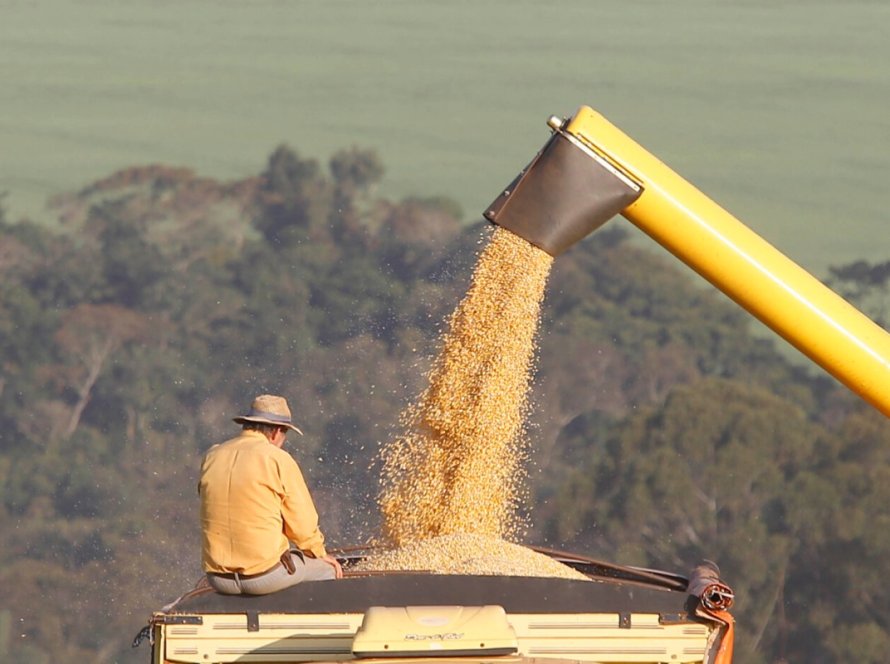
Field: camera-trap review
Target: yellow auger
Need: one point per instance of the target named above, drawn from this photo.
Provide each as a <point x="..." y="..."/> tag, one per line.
<point x="590" y="171"/>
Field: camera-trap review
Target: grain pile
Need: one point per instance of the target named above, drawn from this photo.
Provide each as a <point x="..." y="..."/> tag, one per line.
<point x="468" y="554"/>
<point x="458" y="466"/>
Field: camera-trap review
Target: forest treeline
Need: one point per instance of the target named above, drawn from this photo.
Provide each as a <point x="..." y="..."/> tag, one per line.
<point x="664" y="429"/>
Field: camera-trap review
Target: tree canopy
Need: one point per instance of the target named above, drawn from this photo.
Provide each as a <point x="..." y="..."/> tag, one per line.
<point x="664" y="430"/>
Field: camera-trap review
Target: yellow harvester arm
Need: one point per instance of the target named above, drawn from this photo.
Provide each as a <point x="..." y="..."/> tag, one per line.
<point x="784" y="296"/>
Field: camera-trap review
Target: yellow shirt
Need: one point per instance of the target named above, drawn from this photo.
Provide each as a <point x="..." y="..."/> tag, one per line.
<point x="253" y="500"/>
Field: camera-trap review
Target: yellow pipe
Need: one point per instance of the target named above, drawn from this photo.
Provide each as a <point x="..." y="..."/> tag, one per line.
<point x="780" y="293"/>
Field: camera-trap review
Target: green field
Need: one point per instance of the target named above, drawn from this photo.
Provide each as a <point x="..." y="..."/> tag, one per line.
<point x="776" y="110"/>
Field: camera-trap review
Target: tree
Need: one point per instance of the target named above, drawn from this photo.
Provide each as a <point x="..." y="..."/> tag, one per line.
<point x="293" y="198"/>
<point x="866" y="285"/>
<point x="355" y="173"/>
<point x="836" y="597"/>
<point x="410" y="233"/>
<point x="131" y="266"/>
<point x="26" y="327"/>
<point x="88" y="337"/>
<point x="704" y="475"/>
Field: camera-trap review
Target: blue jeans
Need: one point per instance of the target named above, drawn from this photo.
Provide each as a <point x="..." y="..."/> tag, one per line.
<point x="306" y="569"/>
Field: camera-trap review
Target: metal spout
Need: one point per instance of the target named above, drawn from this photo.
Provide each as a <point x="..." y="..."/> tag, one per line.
<point x="563" y="195"/>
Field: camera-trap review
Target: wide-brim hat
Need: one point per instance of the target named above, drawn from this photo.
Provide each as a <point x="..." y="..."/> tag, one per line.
<point x="269" y="409"/>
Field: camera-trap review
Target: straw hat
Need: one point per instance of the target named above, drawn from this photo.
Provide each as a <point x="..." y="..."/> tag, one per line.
<point x="268" y="409"/>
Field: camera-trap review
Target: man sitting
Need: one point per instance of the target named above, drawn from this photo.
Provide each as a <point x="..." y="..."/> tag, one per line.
<point x="260" y="526"/>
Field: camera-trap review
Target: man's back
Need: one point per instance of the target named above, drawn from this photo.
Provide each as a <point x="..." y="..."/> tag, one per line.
<point x="253" y="498"/>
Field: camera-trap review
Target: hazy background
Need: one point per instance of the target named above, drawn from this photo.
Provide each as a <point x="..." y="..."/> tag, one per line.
<point x="130" y="338"/>
<point x="776" y="110"/>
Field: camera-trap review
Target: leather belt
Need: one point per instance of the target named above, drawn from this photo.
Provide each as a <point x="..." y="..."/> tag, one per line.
<point x="239" y="575"/>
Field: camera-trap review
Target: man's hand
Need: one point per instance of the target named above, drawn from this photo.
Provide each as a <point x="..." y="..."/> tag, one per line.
<point x="333" y="562"/>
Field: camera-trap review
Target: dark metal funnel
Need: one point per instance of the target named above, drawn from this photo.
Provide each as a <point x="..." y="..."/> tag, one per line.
<point x="563" y="195"/>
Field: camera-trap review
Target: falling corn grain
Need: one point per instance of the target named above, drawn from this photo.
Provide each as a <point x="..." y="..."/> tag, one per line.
<point x="459" y="465"/>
